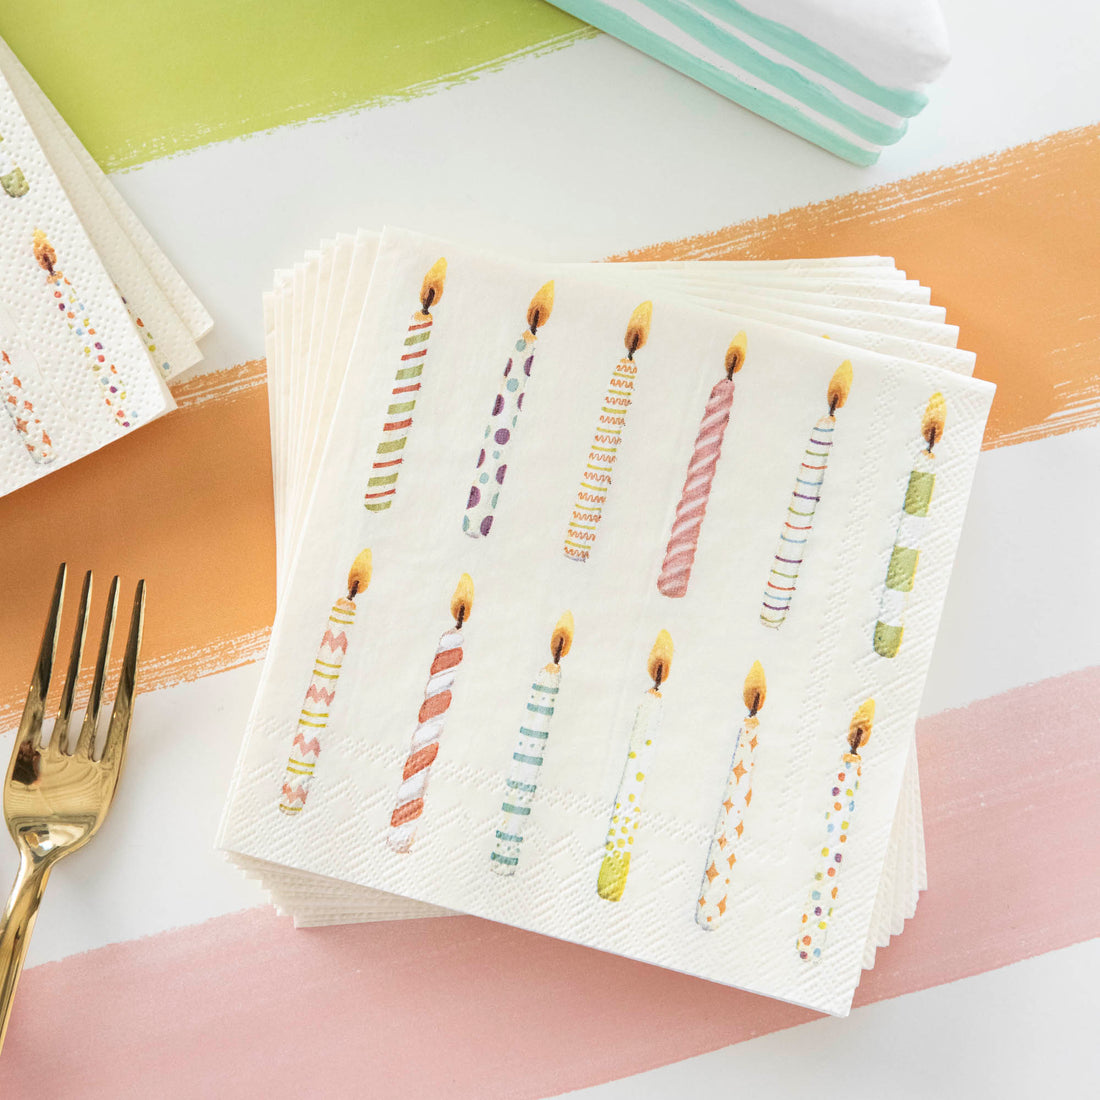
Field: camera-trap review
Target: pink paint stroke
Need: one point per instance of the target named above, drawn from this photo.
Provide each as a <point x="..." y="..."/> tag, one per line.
<point x="244" y="1006"/>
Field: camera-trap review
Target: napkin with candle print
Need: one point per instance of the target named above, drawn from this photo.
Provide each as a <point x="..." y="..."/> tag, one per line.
<point x="93" y="318"/>
<point x="447" y="658"/>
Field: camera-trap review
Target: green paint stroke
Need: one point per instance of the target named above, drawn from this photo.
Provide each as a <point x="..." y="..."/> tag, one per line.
<point x="141" y="79"/>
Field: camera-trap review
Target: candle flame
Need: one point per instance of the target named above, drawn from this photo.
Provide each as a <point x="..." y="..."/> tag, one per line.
<point x="735" y="353"/>
<point x="561" y="641"/>
<point x="431" y="289"/>
<point x="43" y="251"/>
<point x="839" y="385"/>
<point x="935" y="415"/>
<point x="538" y="312"/>
<point x="659" y="665"/>
<point x="859" y="729"/>
<point x="360" y="573"/>
<point x="756" y="688"/>
<point x="462" y="601"/>
<point x="637" y="332"/>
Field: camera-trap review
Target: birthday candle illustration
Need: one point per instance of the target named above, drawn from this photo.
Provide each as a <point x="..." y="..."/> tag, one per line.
<point x="838" y="823"/>
<point x="714" y="894"/>
<point x="146" y="337"/>
<point x="317" y="706"/>
<point x="12" y="179"/>
<point x="628" y="799"/>
<point x="902" y="570"/>
<point x="21" y="410"/>
<point x="596" y="479"/>
<point x="682" y="543"/>
<point x="76" y="316"/>
<point x="530" y="751"/>
<point x="492" y="462"/>
<point x="430" y="721"/>
<point x="406" y="385"/>
<point x="804" y="500"/>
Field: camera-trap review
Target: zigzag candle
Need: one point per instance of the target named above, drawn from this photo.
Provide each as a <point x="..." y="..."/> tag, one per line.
<point x="838" y="821"/>
<point x="902" y="570"/>
<point x="804" y="499"/>
<point x="76" y="316"/>
<point x="682" y="543"/>
<point x="429" y="722"/>
<point x="714" y="895"/>
<point x="406" y="385"/>
<point x="314" y="716"/>
<point x="628" y="799"/>
<point x="596" y="480"/>
<point x="492" y="463"/>
<point x="19" y="407"/>
<point x="12" y="179"/>
<point x="530" y="751"/>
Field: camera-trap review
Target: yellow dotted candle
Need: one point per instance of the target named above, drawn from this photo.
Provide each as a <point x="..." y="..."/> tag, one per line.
<point x="626" y="815"/>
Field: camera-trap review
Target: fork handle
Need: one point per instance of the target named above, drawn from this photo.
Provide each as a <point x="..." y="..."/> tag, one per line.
<point x="19" y="915"/>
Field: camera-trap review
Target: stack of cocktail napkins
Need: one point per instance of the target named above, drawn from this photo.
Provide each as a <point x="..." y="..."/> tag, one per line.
<point x="93" y="317"/>
<point x="606" y="597"/>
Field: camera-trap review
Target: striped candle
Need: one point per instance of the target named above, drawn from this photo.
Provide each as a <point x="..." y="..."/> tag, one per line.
<point x="804" y="500"/>
<point x="317" y="706"/>
<point x="529" y="754"/>
<point x="80" y="324"/>
<point x="429" y="723"/>
<point x="492" y="462"/>
<point x="692" y="507"/>
<point x="627" y="813"/>
<point x="596" y="479"/>
<point x="21" y="410"/>
<point x="12" y="179"/>
<point x="838" y="820"/>
<point x="902" y="570"/>
<point x="390" y="454"/>
<point x="714" y="893"/>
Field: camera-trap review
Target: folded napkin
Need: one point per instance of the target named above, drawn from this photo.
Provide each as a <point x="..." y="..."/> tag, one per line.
<point x="554" y="512"/>
<point x="844" y="74"/>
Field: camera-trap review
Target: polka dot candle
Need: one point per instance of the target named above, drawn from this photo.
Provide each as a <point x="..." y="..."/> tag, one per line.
<point x="626" y="815"/>
<point x="843" y="788"/>
<point x="492" y="462"/>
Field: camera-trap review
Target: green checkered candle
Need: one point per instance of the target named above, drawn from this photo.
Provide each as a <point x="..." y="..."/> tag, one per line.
<point x="902" y="570"/>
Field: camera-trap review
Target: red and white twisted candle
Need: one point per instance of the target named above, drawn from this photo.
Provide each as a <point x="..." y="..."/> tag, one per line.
<point x="430" y="722"/>
<point x="692" y="507"/>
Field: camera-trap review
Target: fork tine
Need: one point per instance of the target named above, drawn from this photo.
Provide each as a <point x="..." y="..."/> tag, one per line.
<point x="59" y="740"/>
<point x="35" y="708"/>
<point x="123" y="712"/>
<point x="86" y="741"/>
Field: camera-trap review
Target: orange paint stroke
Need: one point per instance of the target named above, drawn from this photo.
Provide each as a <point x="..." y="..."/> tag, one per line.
<point x="185" y="502"/>
<point x="1008" y="243"/>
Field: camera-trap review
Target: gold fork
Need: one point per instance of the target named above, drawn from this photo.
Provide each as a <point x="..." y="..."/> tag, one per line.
<point x="55" y="800"/>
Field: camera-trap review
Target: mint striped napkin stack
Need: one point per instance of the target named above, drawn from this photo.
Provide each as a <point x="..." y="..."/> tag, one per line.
<point x="845" y="74"/>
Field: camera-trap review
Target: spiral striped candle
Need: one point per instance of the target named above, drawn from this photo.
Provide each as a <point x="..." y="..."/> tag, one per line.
<point x="596" y="479"/>
<point x="626" y="815"/>
<point x="12" y="179"/>
<point x="529" y="754"/>
<point x="838" y="821"/>
<point x="492" y="462"/>
<point x="21" y="410"/>
<point x="692" y="507"/>
<point x="902" y="570"/>
<point x="80" y="324"/>
<point x="317" y="706"/>
<point x="714" y="893"/>
<point x="429" y="723"/>
<point x="390" y="453"/>
<point x="791" y="551"/>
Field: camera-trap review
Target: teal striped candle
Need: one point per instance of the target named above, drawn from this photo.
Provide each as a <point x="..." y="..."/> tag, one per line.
<point x="382" y="485"/>
<point x="901" y="573"/>
<point x="529" y="754"/>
